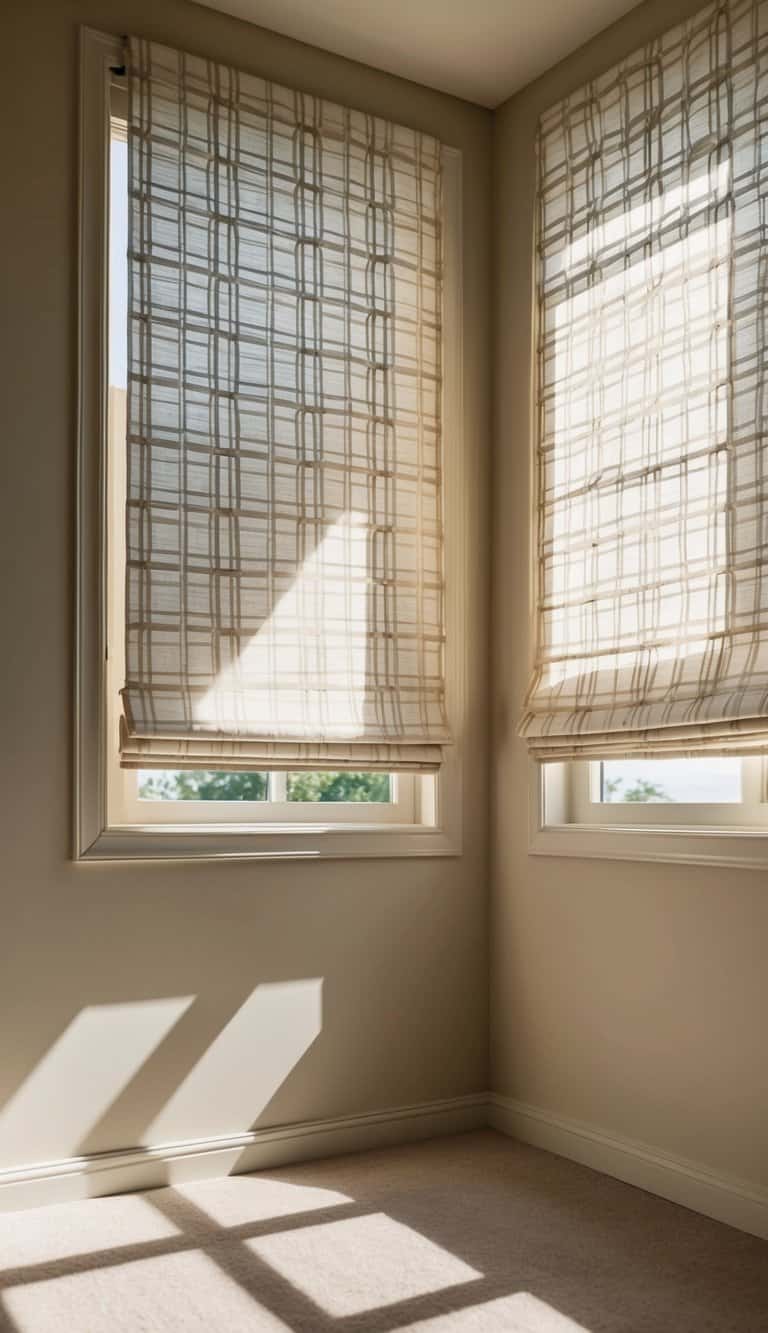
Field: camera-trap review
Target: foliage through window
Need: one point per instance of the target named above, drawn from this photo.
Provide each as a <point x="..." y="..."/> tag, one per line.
<point x="199" y="785"/>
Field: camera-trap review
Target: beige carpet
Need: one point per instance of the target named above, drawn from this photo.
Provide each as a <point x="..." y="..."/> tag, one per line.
<point x="473" y="1234"/>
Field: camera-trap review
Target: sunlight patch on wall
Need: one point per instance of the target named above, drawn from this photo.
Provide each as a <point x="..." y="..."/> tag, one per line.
<point x="243" y="1068"/>
<point x="83" y="1073"/>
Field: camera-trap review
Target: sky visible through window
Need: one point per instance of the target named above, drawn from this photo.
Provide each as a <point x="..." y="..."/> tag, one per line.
<point x="692" y="781"/>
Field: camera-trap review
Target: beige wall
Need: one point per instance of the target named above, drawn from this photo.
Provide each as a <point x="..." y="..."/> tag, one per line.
<point x="633" y="997"/>
<point x="117" y="981"/>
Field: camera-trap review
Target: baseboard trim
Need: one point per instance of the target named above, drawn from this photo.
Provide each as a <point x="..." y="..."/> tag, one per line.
<point x="725" y="1198"/>
<point x="171" y="1163"/>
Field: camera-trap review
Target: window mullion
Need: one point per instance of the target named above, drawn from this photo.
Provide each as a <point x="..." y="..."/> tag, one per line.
<point x="753" y="775"/>
<point x="278" y="787"/>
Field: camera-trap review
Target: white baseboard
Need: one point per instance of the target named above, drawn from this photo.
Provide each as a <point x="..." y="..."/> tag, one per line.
<point x="170" y="1163"/>
<point x="728" y="1199"/>
<point x="725" y="1198"/>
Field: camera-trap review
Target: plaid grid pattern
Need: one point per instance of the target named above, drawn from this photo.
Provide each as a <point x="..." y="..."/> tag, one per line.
<point x="652" y="463"/>
<point x="284" y="601"/>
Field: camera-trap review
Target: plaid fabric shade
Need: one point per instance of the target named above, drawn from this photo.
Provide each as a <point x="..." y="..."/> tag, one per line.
<point x="652" y="460"/>
<point x="284" y="602"/>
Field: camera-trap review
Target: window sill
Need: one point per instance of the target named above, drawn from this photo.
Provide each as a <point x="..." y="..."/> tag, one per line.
<point x="739" y="847"/>
<point x="268" y="842"/>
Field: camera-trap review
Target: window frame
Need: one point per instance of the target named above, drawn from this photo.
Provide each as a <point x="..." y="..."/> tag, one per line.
<point x="685" y="834"/>
<point x="433" y="803"/>
<point x="700" y="835"/>
<point x="404" y="808"/>
<point x="586" y="808"/>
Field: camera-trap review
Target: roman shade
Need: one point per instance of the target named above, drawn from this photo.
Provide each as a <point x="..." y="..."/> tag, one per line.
<point x="651" y="621"/>
<point x="284" y="591"/>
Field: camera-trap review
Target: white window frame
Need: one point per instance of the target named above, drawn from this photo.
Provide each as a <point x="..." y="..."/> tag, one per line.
<point x="586" y="807"/>
<point x="425" y="818"/>
<point x="404" y="808"/>
<point x="566" y="820"/>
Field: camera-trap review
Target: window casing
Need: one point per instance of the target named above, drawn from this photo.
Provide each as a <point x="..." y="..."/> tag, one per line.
<point x="567" y="818"/>
<point x="584" y="803"/>
<point x="648" y="504"/>
<point x="111" y="821"/>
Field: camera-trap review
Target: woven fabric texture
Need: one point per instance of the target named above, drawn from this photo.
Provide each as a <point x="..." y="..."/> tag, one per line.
<point x="284" y="598"/>
<point x="652" y="464"/>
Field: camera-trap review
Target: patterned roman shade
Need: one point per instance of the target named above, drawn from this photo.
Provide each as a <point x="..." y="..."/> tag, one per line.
<point x="652" y="454"/>
<point x="284" y="602"/>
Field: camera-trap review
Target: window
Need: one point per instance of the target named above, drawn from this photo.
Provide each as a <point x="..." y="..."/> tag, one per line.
<point x="648" y="699"/>
<point x="178" y="810"/>
<point x="665" y="793"/>
<point x="707" y="810"/>
<point x="667" y="781"/>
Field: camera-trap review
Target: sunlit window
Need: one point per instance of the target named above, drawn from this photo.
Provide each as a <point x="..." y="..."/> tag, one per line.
<point x="154" y="789"/>
<point x="712" y="791"/>
<point x="302" y="696"/>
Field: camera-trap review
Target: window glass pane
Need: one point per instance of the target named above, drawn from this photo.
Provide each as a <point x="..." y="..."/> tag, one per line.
<point x="653" y="781"/>
<point x="197" y="785"/>
<point x="339" y="787"/>
<point x="118" y="263"/>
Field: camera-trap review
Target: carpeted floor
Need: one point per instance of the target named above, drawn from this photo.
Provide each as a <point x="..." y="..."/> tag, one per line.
<point x="473" y="1234"/>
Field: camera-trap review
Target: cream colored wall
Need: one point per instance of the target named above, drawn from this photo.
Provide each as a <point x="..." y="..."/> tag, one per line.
<point x="630" y="996"/>
<point x="144" y="1003"/>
